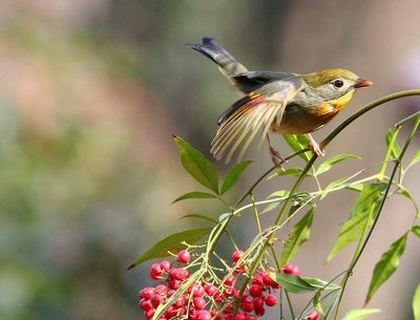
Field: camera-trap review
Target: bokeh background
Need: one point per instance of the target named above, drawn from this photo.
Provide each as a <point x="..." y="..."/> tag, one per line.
<point x="90" y="93"/>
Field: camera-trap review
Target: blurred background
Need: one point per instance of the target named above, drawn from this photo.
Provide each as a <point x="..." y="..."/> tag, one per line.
<point x="90" y="94"/>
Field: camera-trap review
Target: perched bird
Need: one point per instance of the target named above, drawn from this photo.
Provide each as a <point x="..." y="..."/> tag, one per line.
<point x="283" y="102"/>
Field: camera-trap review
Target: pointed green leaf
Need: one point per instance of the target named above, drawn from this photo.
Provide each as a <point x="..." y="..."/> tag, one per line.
<point x="392" y="143"/>
<point x="195" y="195"/>
<point x="321" y="284"/>
<point x="295" y="172"/>
<point x="360" y="314"/>
<point x="279" y="194"/>
<point x="416" y="304"/>
<point x="197" y="165"/>
<point x="387" y="265"/>
<point x="297" y="236"/>
<point x="328" y="164"/>
<point x="363" y="214"/>
<point x="406" y="193"/>
<point x="298" y="142"/>
<point x="415" y="160"/>
<point x="174" y="242"/>
<point x="233" y="175"/>
<point x="416" y="230"/>
<point x="199" y="216"/>
<point x="292" y="283"/>
<point x="351" y="230"/>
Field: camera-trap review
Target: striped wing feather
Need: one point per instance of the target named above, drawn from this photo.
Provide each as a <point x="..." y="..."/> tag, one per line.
<point x="256" y="115"/>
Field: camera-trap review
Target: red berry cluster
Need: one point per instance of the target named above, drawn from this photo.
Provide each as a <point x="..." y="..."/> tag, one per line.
<point x="204" y="301"/>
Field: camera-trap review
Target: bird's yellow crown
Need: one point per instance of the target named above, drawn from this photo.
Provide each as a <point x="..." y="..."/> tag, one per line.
<point x="316" y="79"/>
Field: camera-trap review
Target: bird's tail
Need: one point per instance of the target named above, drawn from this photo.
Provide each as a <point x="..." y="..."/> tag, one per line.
<point x="228" y="65"/>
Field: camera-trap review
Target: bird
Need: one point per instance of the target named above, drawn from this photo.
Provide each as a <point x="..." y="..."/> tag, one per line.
<point x="275" y="102"/>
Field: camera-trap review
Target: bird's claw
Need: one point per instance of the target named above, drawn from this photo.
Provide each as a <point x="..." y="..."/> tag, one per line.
<point x="316" y="148"/>
<point x="277" y="159"/>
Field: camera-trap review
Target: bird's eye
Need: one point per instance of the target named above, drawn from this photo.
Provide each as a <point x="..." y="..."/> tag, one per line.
<point x="338" y="83"/>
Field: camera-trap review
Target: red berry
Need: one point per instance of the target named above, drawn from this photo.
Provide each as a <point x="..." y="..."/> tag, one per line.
<point x="156" y="300"/>
<point x="179" y="274"/>
<point x="204" y="315"/>
<point x="161" y="289"/>
<point x="146" y="293"/>
<point x="230" y="281"/>
<point x="210" y="290"/>
<point x="155" y="271"/>
<point x="291" y="269"/>
<point x="270" y="300"/>
<point x="247" y="305"/>
<point x="236" y="255"/>
<point x="174" y="284"/>
<point x="259" y="311"/>
<point x="170" y="313"/>
<point x="258" y="280"/>
<point x="165" y="265"/>
<point x="255" y="290"/>
<point x="198" y="291"/>
<point x="184" y="256"/>
<point x="313" y="316"/>
<point x="240" y="270"/>
<point x="199" y="303"/>
<point x="241" y="316"/>
<point x="268" y="281"/>
<point x="146" y="305"/>
<point x="258" y="303"/>
<point x="149" y="314"/>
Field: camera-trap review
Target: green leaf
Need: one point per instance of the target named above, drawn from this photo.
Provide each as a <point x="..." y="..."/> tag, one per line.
<point x="321" y="284"/>
<point x="328" y="164"/>
<point x="359" y="314"/>
<point x="174" y="242"/>
<point x="295" y="172"/>
<point x="197" y="165"/>
<point x="416" y="230"/>
<point x="416" y="304"/>
<point x="406" y="193"/>
<point x="279" y="194"/>
<point x="199" y="216"/>
<point x="391" y="141"/>
<point x="233" y="175"/>
<point x="351" y="230"/>
<point x="297" y="236"/>
<point x="364" y="212"/>
<point x="387" y="265"/>
<point x="415" y="159"/>
<point x="292" y="283"/>
<point x="297" y="143"/>
<point x="195" y="195"/>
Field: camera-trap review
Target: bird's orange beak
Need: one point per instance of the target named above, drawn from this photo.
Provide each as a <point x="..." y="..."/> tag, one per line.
<point x="363" y="83"/>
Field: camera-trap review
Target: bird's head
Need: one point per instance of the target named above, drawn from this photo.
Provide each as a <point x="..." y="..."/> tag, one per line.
<point x="332" y="84"/>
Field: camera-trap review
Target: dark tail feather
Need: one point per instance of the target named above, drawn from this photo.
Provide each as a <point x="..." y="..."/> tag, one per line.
<point x="214" y="51"/>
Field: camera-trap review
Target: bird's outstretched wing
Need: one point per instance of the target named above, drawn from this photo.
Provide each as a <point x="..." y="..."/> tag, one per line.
<point x="250" y="115"/>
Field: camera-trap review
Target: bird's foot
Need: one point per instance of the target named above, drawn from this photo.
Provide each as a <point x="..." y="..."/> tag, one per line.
<point x="277" y="159"/>
<point x="316" y="148"/>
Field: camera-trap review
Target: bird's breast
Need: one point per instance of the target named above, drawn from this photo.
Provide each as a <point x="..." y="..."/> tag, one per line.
<point x="300" y="117"/>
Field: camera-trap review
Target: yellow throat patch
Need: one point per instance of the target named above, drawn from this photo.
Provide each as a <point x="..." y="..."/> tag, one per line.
<point x="334" y="106"/>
